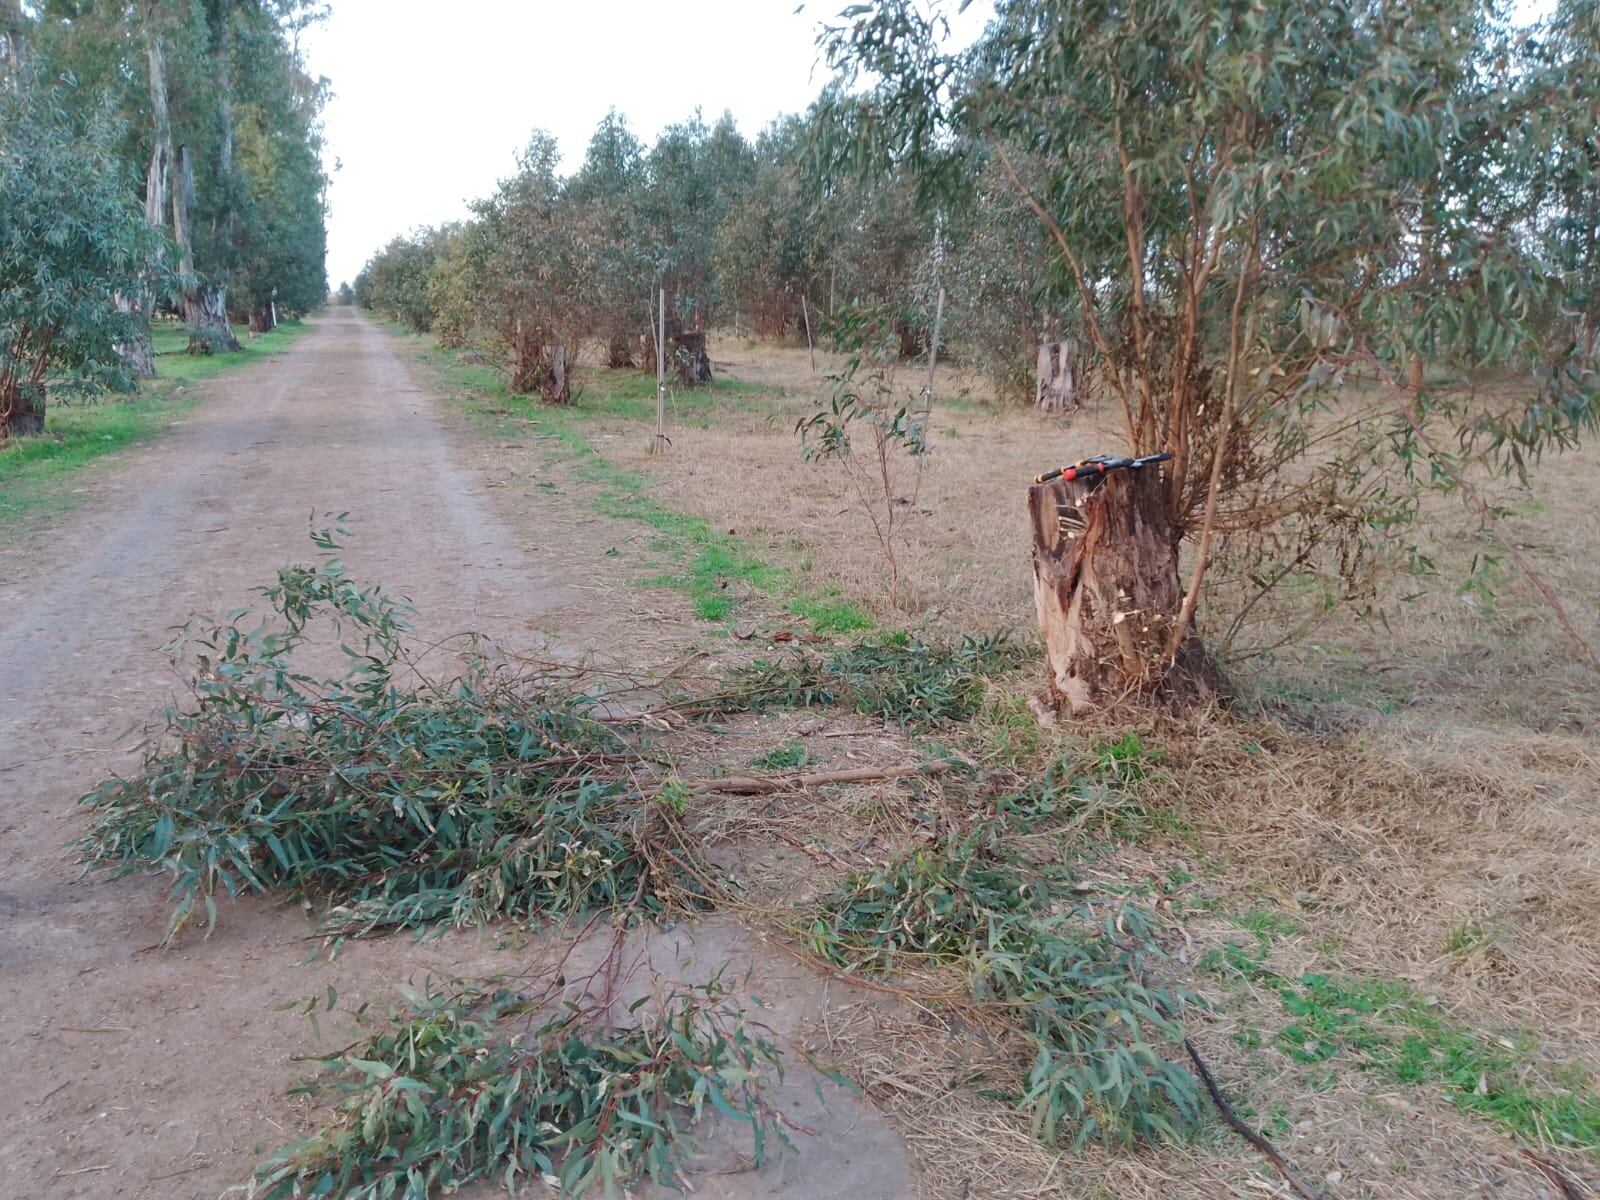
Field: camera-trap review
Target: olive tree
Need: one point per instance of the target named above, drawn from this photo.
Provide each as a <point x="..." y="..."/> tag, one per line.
<point x="1253" y="202"/>
<point x="72" y="240"/>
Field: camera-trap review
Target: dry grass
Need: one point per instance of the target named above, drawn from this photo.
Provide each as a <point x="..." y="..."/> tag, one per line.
<point x="1415" y="797"/>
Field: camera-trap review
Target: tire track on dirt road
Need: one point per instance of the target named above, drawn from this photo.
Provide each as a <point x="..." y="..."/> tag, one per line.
<point x="161" y="1074"/>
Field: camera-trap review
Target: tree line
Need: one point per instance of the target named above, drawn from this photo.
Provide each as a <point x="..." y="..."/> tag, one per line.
<point x="752" y="235"/>
<point x="158" y="158"/>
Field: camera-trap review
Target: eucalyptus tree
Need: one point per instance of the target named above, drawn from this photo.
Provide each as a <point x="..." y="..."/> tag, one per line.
<point x="1560" y="103"/>
<point x="608" y="190"/>
<point x="535" y="272"/>
<point x="72" y="239"/>
<point x="1251" y="201"/>
<point x="693" y="175"/>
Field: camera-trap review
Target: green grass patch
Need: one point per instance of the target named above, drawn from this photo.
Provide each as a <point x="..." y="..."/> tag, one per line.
<point x="37" y="474"/>
<point x="1384" y="1026"/>
<point x="789" y="756"/>
<point x="708" y="565"/>
<point x="829" y="614"/>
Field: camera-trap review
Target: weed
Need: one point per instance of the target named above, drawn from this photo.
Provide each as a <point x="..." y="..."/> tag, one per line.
<point x="1012" y="734"/>
<point x="1125" y="761"/>
<point x="1266" y="924"/>
<point x="1464" y="938"/>
<point x="789" y="756"/>
<point x="831" y="615"/>
<point x="444" y="1095"/>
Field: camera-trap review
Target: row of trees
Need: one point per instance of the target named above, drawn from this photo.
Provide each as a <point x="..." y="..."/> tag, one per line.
<point x="159" y="156"/>
<point x="751" y="236"/>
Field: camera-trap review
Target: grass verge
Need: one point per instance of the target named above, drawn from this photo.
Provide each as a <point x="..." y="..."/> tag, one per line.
<point x="38" y="476"/>
<point x="708" y="566"/>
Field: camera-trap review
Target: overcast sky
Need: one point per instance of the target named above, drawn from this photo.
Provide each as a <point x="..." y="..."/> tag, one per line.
<point x="433" y="98"/>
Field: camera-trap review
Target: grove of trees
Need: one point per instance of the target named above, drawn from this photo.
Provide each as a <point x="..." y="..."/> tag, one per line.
<point x="158" y="157"/>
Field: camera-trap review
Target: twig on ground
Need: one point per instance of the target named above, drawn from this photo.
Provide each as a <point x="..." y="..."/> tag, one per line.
<point x="1291" y="1176"/>
<point x="756" y="785"/>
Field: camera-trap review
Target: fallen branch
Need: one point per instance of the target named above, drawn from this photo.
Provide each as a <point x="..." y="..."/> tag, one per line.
<point x="760" y="785"/>
<point x="1291" y="1176"/>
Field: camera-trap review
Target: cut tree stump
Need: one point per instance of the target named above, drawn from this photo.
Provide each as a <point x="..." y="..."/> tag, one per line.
<point x="689" y="358"/>
<point x="1106" y="590"/>
<point x="1056" y="387"/>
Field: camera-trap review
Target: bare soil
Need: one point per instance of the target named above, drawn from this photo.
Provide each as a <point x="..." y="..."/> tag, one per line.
<point x="138" y="1072"/>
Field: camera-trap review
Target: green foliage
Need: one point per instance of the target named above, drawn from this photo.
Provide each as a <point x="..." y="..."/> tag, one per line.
<point x="1095" y="1031"/>
<point x="892" y="677"/>
<point x="1238" y="221"/>
<point x="447" y="1093"/>
<point x="943" y="903"/>
<point x="72" y="240"/>
<point x="492" y="794"/>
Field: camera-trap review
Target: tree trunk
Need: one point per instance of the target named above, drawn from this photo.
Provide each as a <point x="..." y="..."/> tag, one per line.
<point x="557" y="387"/>
<point x="263" y="320"/>
<point x="14" y="31"/>
<point x="137" y="352"/>
<point x="1106" y="590"/>
<point x="690" y="360"/>
<point x="1056" y="389"/>
<point x="910" y="339"/>
<point x="21" y="410"/>
<point x="205" y="306"/>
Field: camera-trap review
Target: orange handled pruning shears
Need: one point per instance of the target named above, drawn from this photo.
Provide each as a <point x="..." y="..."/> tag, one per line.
<point x="1101" y="464"/>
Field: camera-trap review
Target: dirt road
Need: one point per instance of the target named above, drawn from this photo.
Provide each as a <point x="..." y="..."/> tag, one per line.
<point x="137" y="1072"/>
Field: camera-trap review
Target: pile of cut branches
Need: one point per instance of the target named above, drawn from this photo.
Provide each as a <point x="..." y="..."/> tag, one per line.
<point x="895" y="678"/>
<point x="1095" y="1036"/>
<point x="464" y="1084"/>
<point x="377" y="796"/>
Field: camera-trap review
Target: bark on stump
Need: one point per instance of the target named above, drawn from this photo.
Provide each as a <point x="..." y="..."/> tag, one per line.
<point x="1105" y="587"/>
<point x="690" y="360"/>
<point x="1056" y="389"/>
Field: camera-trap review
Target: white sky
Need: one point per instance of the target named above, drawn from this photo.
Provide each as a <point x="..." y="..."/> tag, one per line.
<point x="433" y="98"/>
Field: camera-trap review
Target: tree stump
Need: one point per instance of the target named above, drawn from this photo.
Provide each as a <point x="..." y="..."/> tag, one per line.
<point x="1056" y="389"/>
<point x="1106" y="590"/>
<point x="689" y="358"/>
